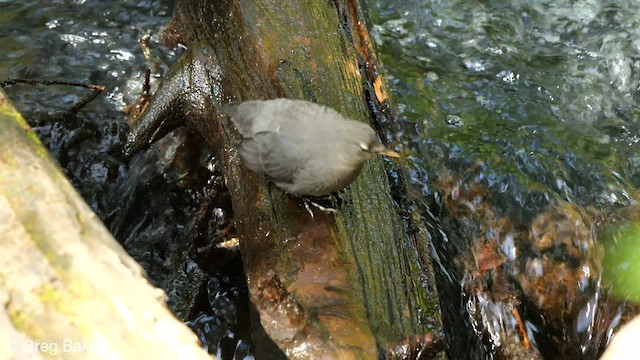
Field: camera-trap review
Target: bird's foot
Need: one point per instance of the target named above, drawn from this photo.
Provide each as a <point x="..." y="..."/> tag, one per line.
<point x="326" y="210"/>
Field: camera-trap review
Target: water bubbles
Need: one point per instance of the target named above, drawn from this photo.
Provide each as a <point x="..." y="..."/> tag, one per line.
<point x="397" y="27"/>
<point x="508" y="247"/>
<point x="52" y="24"/>
<point x="508" y="76"/>
<point x="73" y="39"/>
<point x="586" y="316"/>
<point x="453" y="121"/>
<point x="120" y="54"/>
<point x="475" y="64"/>
<point x="98" y="172"/>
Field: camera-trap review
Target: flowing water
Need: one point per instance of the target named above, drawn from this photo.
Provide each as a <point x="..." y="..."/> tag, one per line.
<point x="520" y="121"/>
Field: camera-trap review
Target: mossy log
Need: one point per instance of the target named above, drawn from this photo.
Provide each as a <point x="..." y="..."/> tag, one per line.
<point x="332" y="286"/>
<point x="67" y="288"/>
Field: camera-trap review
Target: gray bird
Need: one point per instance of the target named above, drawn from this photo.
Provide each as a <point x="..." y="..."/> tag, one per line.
<point x="305" y="148"/>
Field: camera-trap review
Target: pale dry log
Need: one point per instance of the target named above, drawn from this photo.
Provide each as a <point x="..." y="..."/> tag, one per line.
<point x="67" y="288"/>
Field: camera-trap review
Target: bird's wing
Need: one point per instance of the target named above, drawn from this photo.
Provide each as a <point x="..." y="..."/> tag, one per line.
<point x="270" y="154"/>
<point x="252" y="117"/>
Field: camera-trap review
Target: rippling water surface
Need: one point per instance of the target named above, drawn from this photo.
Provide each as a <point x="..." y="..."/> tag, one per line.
<point x="521" y="120"/>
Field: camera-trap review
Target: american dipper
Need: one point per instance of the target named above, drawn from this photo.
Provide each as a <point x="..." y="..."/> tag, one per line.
<point x="305" y="148"/>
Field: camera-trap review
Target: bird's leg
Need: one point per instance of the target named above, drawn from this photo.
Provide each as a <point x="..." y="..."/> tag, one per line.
<point x="327" y="210"/>
<point x="306" y="206"/>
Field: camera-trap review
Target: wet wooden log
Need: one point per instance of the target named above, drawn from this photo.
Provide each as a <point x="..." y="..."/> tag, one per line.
<point x="67" y="288"/>
<point x="342" y="286"/>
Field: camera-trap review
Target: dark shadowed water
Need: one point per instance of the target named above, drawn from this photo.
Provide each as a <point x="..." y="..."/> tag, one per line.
<point x="158" y="203"/>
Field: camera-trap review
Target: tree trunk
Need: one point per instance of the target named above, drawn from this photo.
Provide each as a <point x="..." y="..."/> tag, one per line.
<point x="340" y="286"/>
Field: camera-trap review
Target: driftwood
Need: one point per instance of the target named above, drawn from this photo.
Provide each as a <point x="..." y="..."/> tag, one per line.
<point x="330" y="286"/>
<point x="67" y="288"/>
<point x="624" y="342"/>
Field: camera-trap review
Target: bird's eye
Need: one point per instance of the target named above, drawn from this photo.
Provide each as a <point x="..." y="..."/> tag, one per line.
<point x="364" y="146"/>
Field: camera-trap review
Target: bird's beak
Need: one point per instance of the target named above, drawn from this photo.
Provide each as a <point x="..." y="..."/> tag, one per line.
<point x="380" y="149"/>
<point x="389" y="153"/>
